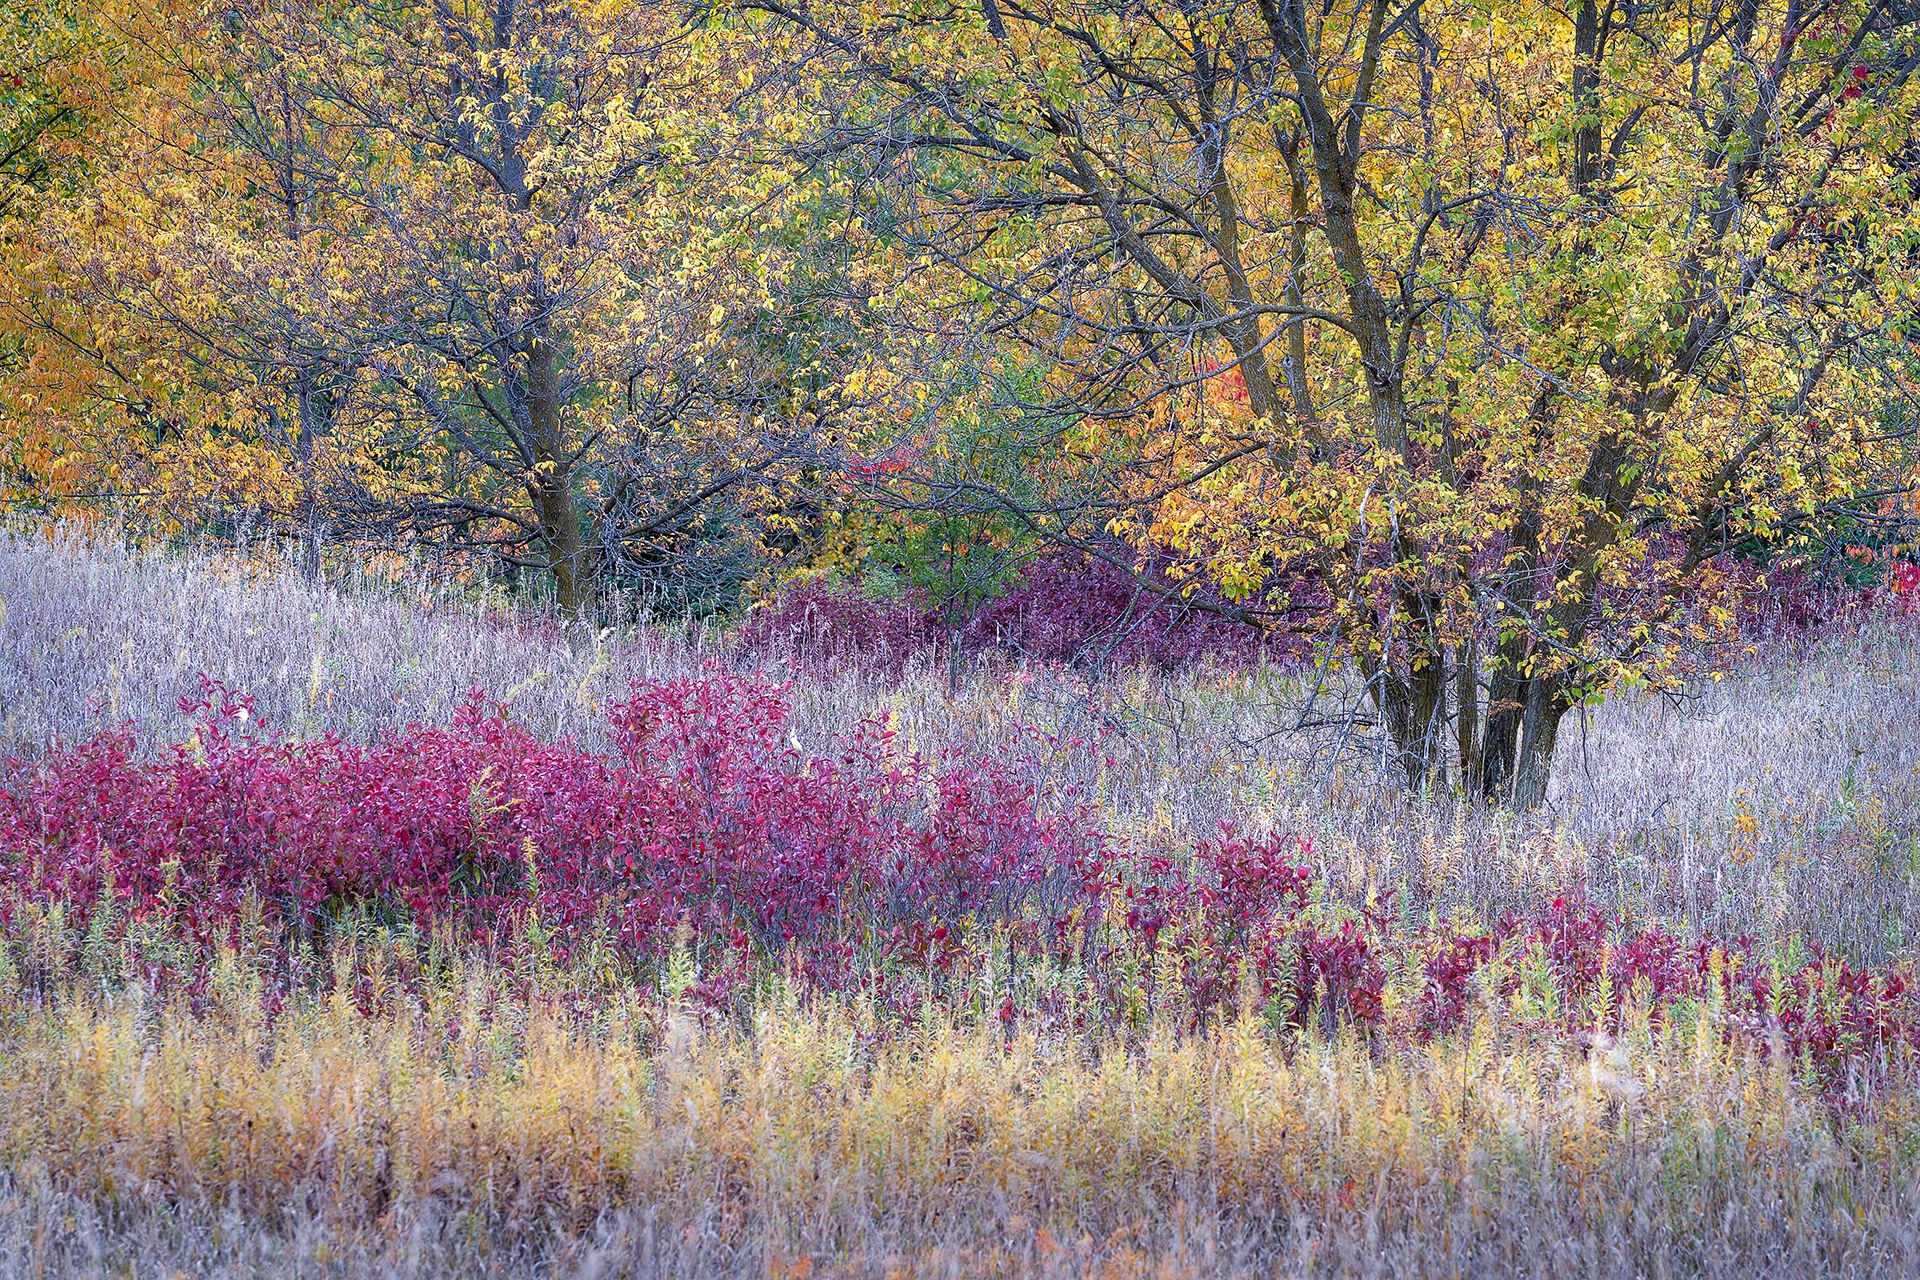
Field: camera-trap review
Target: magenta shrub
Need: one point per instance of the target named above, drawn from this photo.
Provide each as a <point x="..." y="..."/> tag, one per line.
<point x="702" y="831"/>
<point x="1081" y="609"/>
<point x="1786" y="603"/>
<point x="1059" y="609"/>
<point x="702" y="817"/>
<point x="1820" y="1010"/>
<point x="816" y="626"/>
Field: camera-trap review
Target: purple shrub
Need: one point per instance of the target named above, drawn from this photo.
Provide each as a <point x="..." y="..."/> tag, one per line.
<point x="1080" y="609"/>
<point x="868" y="868"/>
<point x="814" y="626"/>
<point x="1077" y="610"/>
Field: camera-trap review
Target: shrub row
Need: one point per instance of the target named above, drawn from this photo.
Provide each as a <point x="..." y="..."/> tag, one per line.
<point x="1060" y="609"/>
<point x="703" y="851"/>
<point x="1084" y="611"/>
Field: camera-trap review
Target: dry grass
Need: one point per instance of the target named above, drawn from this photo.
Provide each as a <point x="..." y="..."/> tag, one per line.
<point x="1784" y="799"/>
<point x="97" y="634"/>
<point x="482" y="1132"/>
<point x="141" y="1139"/>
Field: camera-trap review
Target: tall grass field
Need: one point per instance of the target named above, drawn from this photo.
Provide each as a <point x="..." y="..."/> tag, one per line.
<point x="358" y="929"/>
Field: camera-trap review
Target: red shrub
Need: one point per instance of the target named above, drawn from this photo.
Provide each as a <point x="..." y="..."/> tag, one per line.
<point x="867" y="867"/>
<point x="1081" y="609"/>
<point x="813" y="626"/>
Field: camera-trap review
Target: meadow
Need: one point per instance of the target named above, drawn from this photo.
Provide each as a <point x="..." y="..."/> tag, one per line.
<point x="732" y="638"/>
<point x="365" y="929"/>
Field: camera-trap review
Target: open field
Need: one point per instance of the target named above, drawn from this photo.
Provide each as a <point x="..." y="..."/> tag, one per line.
<point x="812" y="638"/>
<point x="986" y="993"/>
<point x="1784" y="799"/>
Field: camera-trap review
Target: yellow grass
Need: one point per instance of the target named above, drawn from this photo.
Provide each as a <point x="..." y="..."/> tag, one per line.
<point x="473" y="1128"/>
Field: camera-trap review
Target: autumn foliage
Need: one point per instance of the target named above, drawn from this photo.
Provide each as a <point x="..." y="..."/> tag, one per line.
<point x="1462" y="346"/>
<point x="1030" y="637"/>
<point x="705" y="848"/>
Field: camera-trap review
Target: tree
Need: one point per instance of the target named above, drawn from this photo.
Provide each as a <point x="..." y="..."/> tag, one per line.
<point x="87" y="403"/>
<point x="507" y="280"/>
<point x="44" y="110"/>
<point x="1525" y="313"/>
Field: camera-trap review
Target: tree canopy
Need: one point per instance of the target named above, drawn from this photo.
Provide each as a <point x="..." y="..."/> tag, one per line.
<point x="1502" y="320"/>
<point x="1468" y="338"/>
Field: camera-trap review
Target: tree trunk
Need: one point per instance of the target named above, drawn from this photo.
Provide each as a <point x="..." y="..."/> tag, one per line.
<point x="556" y="510"/>
<point x="1547" y="705"/>
<point x="1413" y="707"/>
<point x="1523" y="723"/>
<point x="1500" y="747"/>
<point x="305" y="448"/>
<point x="1466" y="708"/>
